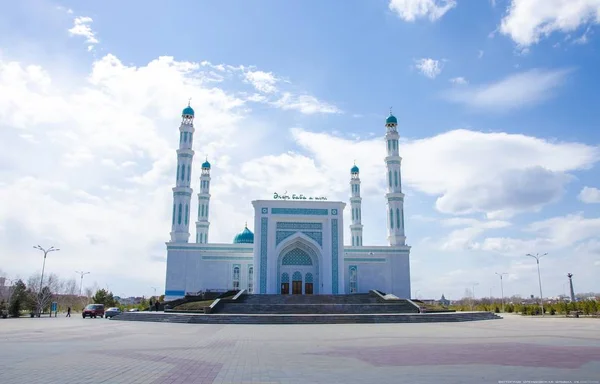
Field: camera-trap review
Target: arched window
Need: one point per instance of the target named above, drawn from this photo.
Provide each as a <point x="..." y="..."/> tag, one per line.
<point x="391" y="218"/>
<point x="353" y="214"/>
<point x="200" y="239"/>
<point x="183" y="172"/>
<point x="389" y="145"/>
<point x="236" y="277"/>
<point x="178" y="170"/>
<point x="250" y="279"/>
<point x="353" y="241"/>
<point x="179" y="214"/>
<point x="199" y="206"/>
<point x="185" y="137"/>
<point x="190" y="138"/>
<point x="353" y="269"/>
<point x="180" y="137"/>
<point x="202" y="215"/>
<point x="189" y="172"/>
<point x="360" y="240"/>
<point x="402" y="219"/>
<point x="173" y="214"/>
<point x="390" y="178"/>
<point x="396" y="178"/>
<point x="359" y="214"/>
<point x="397" y="218"/>
<point x="187" y="214"/>
<point x="206" y="210"/>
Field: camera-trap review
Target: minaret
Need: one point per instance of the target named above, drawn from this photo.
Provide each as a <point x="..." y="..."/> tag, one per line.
<point x="203" y="201"/>
<point x="394" y="197"/>
<point x="182" y="193"/>
<point x="355" y="203"/>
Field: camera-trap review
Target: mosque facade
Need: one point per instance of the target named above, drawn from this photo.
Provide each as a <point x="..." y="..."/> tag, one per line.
<point x="297" y="246"/>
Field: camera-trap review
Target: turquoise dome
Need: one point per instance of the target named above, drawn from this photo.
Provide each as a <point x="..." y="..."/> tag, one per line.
<point x="391" y="119"/>
<point x="188" y="111"/>
<point x="244" y="237"/>
<point x="206" y="165"/>
<point x="354" y="169"/>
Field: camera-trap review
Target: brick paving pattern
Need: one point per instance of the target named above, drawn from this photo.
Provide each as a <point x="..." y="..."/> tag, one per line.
<point x="76" y="350"/>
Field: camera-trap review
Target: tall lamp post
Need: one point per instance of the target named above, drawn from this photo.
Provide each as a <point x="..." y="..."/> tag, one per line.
<point x="502" y="287"/>
<point x="473" y="292"/>
<point x="570" y="276"/>
<point x="537" y="258"/>
<point x="81" y="274"/>
<point x="46" y="252"/>
<point x="154" y="291"/>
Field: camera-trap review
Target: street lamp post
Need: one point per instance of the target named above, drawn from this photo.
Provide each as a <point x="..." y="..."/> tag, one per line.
<point x="154" y="291"/>
<point x="473" y="292"/>
<point x="502" y="287"/>
<point x="537" y="258"/>
<point x="570" y="276"/>
<point x="81" y="274"/>
<point x="46" y="252"/>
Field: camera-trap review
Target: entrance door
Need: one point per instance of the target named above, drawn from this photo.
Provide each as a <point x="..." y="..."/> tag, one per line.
<point x="308" y="288"/>
<point x="297" y="287"/>
<point x="285" y="288"/>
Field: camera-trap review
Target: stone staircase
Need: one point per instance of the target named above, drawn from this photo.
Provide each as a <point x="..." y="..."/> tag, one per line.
<point x="367" y="303"/>
<point x="305" y="319"/>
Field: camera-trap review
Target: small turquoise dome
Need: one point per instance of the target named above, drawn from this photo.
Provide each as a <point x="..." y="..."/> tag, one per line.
<point x="206" y="165"/>
<point x="391" y="119"/>
<point x="244" y="237"/>
<point x="354" y="169"/>
<point x="188" y="111"/>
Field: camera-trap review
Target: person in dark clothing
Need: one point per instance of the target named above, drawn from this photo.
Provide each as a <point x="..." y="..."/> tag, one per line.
<point x="156" y="305"/>
<point x="69" y="312"/>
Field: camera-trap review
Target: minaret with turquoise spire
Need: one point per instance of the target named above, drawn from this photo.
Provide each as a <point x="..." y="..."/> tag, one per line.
<point x="182" y="193"/>
<point x="355" y="205"/>
<point x="394" y="196"/>
<point x="203" y="202"/>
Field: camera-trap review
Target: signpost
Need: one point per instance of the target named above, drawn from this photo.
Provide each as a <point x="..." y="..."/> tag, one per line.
<point x="54" y="308"/>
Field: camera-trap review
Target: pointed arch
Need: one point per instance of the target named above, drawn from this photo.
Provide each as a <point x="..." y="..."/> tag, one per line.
<point x="391" y="218"/>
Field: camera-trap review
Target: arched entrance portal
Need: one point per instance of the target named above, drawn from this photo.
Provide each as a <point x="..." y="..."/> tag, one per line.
<point x="301" y="264"/>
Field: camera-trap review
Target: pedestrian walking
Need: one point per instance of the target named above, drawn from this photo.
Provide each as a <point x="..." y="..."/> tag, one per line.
<point x="150" y="307"/>
<point x="69" y="312"/>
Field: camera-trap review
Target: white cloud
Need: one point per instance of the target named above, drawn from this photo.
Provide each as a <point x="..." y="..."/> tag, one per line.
<point x="468" y="172"/>
<point x="81" y="27"/>
<point x="527" y="21"/>
<point x="480" y="54"/>
<point x="262" y="81"/>
<point x="410" y="10"/>
<point x="306" y="104"/>
<point x="590" y="195"/>
<point x="459" y="81"/>
<point x="515" y="91"/>
<point x="429" y="67"/>
<point x="105" y="155"/>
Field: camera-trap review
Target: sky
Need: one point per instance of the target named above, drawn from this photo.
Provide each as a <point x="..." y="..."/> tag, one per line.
<point x="496" y="104"/>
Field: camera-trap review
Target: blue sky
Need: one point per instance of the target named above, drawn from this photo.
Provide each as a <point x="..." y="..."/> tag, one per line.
<point x="495" y="101"/>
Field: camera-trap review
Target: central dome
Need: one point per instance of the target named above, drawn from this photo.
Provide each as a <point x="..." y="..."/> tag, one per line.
<point x="188" y="111"/>
<point x="354" y="169"/>
<point x="244" y="237"/>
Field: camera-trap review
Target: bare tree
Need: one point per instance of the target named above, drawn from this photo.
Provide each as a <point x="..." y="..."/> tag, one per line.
<point x="51" y="286"/>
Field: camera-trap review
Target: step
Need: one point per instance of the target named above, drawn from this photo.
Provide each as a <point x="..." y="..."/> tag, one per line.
<point x="307" y="319"/>
<point x="316" y="308"/>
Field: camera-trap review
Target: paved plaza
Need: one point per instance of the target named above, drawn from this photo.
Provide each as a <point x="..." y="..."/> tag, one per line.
<point x="515" y="349"/>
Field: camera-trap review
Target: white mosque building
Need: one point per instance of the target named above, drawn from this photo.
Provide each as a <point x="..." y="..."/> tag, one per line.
<point x="298" y="244"/>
